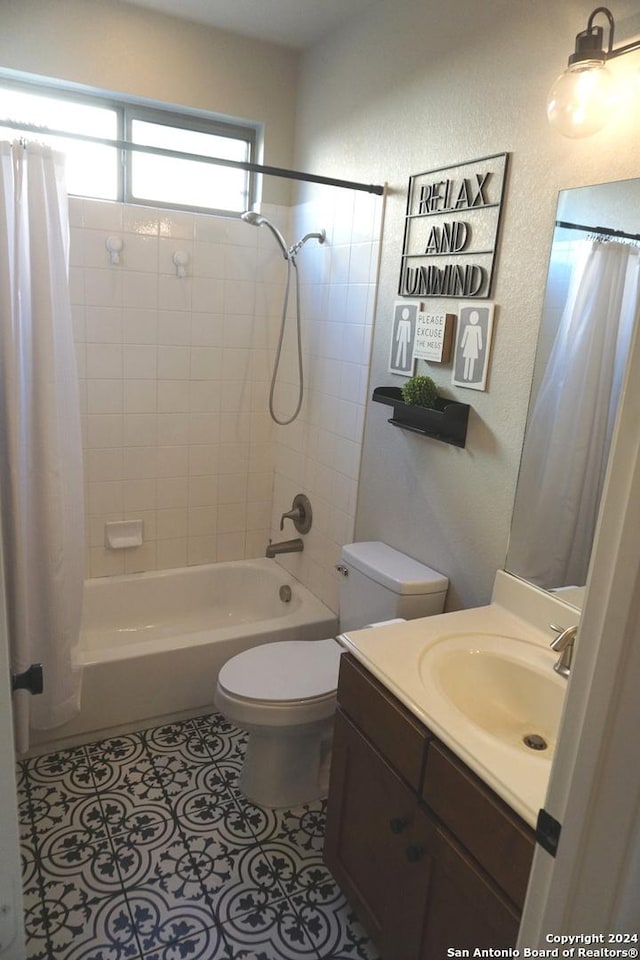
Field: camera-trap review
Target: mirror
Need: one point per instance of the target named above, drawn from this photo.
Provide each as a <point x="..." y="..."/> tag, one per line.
<point x="589" y="311"/>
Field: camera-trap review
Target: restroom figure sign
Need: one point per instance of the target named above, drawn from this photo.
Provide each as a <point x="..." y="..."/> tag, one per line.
<point x="403" y="332"/>
<point x="473" y="344"/>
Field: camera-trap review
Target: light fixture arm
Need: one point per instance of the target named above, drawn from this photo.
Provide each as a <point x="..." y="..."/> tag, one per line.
<point x="612" y="26"/>
<point x="590" y="42"/>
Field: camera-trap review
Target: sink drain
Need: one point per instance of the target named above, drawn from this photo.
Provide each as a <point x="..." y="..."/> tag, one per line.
<point x="535" y="742"/>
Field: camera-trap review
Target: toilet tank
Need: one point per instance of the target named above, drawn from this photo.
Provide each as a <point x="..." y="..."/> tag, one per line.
<point x="380" y="583"/>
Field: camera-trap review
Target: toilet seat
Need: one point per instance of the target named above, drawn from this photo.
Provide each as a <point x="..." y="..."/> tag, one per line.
<point x="283" y="671"/>
<point x="290" y="682"/>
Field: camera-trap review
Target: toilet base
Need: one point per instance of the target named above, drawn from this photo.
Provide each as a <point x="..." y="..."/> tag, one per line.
<point x="287" y="767"/>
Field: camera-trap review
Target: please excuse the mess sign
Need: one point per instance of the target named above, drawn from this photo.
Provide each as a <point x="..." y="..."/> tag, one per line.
<point x="451" y="229"/>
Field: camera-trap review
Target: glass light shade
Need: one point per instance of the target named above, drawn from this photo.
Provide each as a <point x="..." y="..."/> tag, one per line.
<point x="582" y="99"/>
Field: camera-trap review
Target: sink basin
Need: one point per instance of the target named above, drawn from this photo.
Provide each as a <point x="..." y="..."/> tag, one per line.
<point x="504" y="685"/>
<point x="481" y="680"/>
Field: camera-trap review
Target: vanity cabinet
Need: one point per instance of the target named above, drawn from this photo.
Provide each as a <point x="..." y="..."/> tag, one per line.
<point x="428" y="855"/>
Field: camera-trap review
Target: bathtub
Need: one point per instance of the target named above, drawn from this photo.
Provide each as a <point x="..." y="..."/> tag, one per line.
<point x="151" y="644"/>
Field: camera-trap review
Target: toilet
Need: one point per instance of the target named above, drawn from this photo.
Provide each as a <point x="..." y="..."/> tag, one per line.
<point x="284" y="693"/>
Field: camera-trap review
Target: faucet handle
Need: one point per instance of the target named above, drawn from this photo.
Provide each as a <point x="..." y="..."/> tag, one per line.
<point x="300" y="513"/>
<point x="566" y="635"/>
<point x="295" y="514"/>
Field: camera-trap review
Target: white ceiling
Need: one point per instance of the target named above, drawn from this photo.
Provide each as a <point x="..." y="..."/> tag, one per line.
<point x="294" y="23"/>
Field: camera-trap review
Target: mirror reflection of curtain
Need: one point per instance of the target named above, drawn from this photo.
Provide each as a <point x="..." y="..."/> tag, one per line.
<point x="570" y="428"/>
<point x="40" y="440"/>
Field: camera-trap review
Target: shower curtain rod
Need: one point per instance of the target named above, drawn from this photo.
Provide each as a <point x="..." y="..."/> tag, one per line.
<point x="605" y="231"/>
<point x="218" y="161"/>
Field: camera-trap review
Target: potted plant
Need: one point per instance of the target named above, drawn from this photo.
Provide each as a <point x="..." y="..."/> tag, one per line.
<point x="420" y="391"/>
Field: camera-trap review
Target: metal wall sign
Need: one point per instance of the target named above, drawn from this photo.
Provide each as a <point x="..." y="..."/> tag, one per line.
<point x="451" y="229"/>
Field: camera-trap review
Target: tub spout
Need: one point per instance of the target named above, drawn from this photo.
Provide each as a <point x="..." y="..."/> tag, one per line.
<point x="284" y="546"/>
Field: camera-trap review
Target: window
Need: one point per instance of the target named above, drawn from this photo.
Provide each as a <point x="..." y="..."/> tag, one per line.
<point x="186" y="182"/>
<point x="91" y="168"/>
<point x="118" y="173"/>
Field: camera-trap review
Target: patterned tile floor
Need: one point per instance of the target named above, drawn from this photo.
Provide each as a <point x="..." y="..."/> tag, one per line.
<point x="142" y="847"/>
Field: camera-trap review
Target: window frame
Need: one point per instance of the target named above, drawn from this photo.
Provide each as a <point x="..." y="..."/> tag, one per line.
<point x="187" y="121"/>
<point x="129" y="109"/>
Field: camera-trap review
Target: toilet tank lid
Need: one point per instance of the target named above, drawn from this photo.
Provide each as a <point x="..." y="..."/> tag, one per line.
<point x="393" y="569"/>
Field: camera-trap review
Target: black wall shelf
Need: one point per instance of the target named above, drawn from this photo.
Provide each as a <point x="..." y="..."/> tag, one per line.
<point x="447" y="421"/>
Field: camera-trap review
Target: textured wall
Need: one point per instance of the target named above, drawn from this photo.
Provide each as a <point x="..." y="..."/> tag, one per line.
<point x="449" y="88"/>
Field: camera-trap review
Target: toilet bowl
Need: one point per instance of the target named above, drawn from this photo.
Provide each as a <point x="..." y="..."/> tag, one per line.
<point x="284" y="693"/>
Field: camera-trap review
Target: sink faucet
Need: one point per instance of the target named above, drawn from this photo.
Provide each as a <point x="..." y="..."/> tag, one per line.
<point x="563" y="644"/>
<point x="284" y="546"/>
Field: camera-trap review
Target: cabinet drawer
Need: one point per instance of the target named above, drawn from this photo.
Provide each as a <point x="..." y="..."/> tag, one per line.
<point x="397" y="734"/>
<point x="491" y="832"/>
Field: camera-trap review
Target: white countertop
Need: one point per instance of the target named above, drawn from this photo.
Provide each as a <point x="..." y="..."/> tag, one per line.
<point x="394" y="654"/>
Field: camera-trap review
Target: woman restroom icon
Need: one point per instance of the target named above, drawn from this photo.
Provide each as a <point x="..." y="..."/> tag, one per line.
<point x="471" y="344"/>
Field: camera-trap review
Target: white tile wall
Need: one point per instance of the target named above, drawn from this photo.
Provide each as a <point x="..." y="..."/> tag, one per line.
<point x="175" y="380"/>
<point x="320" y="454"/>
<point x="173" y="431"/>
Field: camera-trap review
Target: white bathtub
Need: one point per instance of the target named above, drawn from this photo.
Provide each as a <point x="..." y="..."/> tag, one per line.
<point x="152" y="643"/>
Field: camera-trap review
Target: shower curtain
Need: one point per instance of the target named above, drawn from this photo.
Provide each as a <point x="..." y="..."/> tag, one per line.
<point x="569" y="433"/>
<point x="41" y="479"/>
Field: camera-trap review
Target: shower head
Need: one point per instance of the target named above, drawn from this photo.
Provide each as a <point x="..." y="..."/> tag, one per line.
<point x="250" y="216"/>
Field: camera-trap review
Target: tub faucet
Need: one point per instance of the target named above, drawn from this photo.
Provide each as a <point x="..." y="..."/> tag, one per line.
<point x="284" y="546"/>
<point x="563" y="644"/>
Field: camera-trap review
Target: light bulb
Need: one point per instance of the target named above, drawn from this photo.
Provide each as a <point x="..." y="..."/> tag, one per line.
<point x="582" y="99"/>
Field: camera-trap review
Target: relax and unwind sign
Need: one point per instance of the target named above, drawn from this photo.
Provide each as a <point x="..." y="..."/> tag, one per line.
<point x="451" y="230"/>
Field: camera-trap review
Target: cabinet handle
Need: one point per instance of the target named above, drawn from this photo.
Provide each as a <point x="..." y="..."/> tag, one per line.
<point x="415" y="853"/>
<point x="398" y="824"/>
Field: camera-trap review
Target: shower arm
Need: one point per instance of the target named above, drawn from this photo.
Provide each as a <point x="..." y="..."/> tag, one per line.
<point x="295" y="248"/>
<point x="256" y="220"/>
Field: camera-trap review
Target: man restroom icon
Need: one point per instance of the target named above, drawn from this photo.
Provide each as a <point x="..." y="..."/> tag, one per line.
<point x="403" y="338"/>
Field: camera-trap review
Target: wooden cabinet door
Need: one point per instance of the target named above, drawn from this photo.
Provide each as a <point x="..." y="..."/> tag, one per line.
<point x="465" y="909"/>
<point x="377" y="843"/>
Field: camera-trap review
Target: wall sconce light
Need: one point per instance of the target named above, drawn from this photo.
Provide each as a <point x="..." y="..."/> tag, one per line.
<point x="181" y="260"/>
<point x="114" y="247"/>
<point x="583" y="97"/>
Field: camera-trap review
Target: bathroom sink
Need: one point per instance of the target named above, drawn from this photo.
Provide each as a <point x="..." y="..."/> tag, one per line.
<point x="482" y="682"/>
<point x="503" y="685"/>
